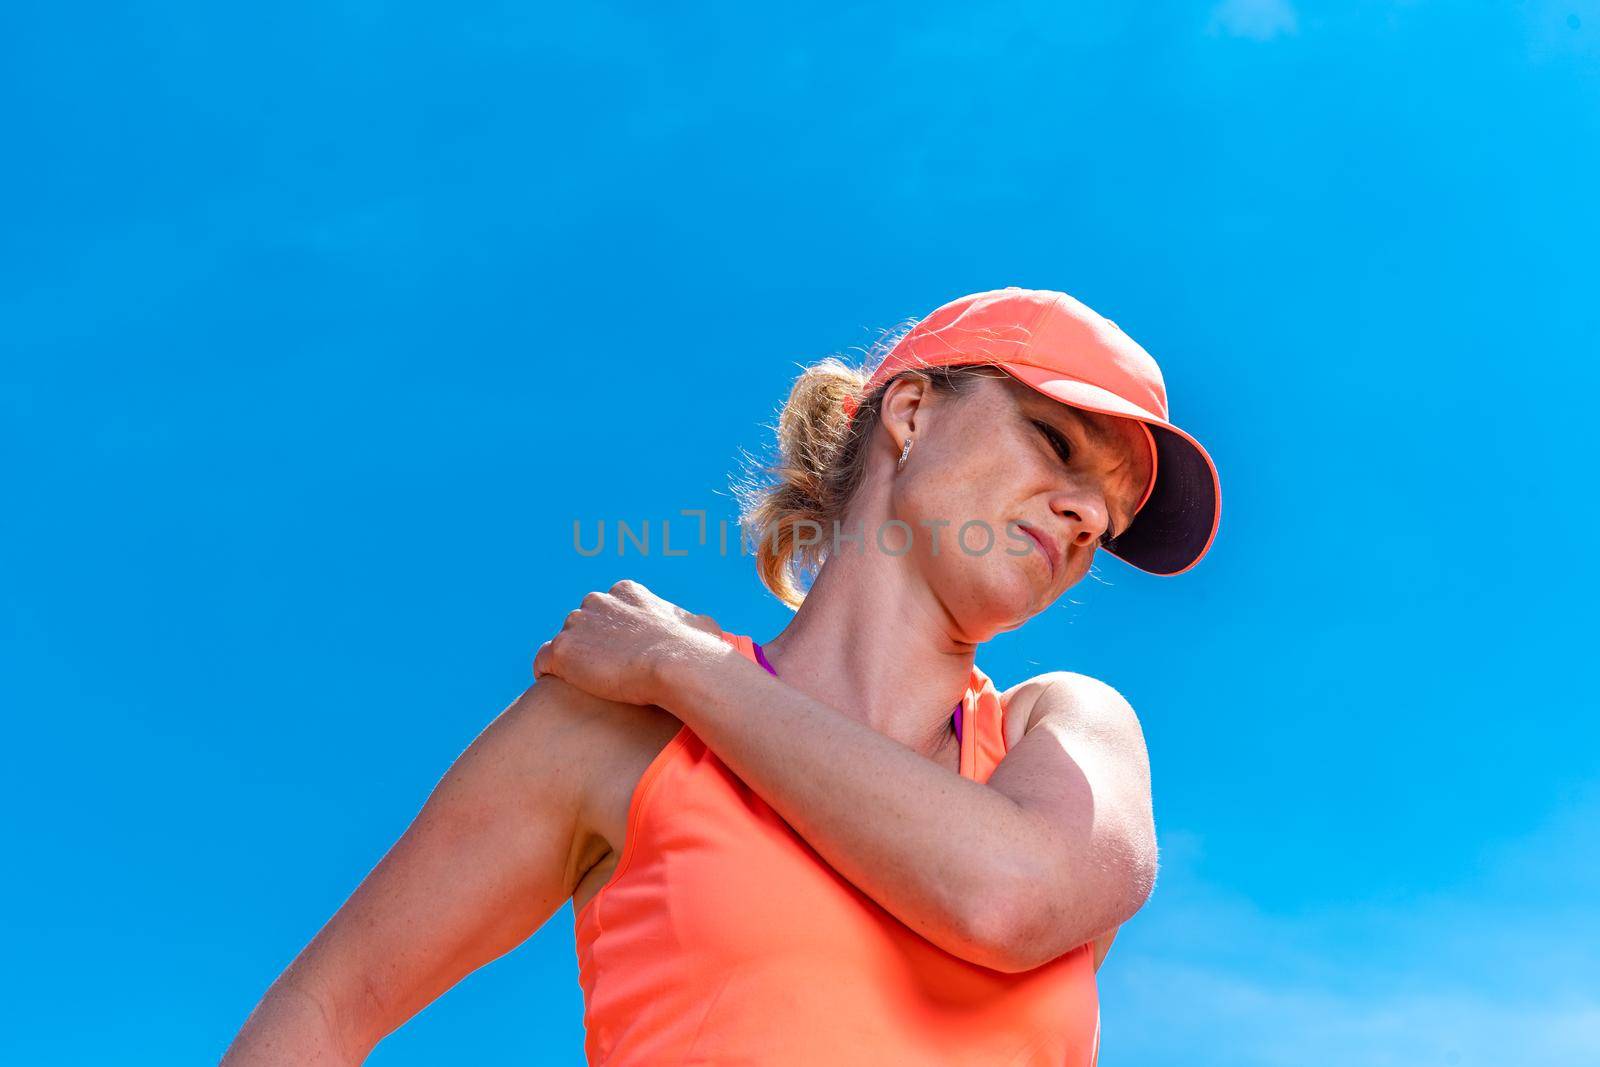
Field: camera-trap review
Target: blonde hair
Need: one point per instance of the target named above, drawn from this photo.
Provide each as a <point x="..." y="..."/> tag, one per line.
<point x="819" y="463"/>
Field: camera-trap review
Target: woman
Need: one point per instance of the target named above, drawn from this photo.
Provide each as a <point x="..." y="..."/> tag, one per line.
<point x="844" y="846"/>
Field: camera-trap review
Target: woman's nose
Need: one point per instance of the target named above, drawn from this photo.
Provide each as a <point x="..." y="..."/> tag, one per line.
<point x="1088" y="518"/>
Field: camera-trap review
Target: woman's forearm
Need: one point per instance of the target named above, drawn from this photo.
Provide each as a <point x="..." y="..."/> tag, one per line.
<point x="943" y="853"/>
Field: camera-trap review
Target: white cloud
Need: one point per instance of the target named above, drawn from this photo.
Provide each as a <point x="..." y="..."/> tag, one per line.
<point x="1499" y="969"/>
<point x="1254" y="1022"/>
<point x="1259" y="20"/>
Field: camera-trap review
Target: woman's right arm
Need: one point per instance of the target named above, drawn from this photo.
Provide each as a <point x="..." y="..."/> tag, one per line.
<point x="492" y="855"/>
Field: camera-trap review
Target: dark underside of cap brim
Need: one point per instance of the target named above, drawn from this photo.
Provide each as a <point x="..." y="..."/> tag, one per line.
<point x="1175" y="526"/>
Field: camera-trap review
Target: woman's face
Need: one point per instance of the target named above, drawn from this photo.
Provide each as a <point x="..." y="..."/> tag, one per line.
<point x="1049" y="480"/>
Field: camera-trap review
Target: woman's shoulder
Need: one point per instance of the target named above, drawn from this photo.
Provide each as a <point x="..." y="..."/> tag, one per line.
<point x="603" y="742"/>
<point x="584" y="726"/>
<point x="1078" y="700"/>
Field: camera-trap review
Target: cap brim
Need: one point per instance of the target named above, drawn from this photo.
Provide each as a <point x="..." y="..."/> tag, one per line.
<point x="1179" y="521"/>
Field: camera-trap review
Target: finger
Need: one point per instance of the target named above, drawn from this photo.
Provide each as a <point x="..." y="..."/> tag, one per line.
<point x="541" y="660"/>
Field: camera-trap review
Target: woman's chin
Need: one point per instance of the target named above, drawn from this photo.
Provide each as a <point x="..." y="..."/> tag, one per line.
<point x="1006" y="605"/>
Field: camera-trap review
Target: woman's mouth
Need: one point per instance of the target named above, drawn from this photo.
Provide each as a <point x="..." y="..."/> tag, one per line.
<point x="1051" y="554"/>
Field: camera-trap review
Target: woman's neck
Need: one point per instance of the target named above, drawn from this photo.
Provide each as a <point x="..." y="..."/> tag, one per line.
<point x="870" y="640"/>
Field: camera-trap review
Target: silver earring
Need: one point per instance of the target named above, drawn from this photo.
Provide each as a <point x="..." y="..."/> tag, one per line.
<point x="904" y="452"/>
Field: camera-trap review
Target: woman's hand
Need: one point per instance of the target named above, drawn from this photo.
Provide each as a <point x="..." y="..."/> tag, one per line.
<point x="615" y="643"/>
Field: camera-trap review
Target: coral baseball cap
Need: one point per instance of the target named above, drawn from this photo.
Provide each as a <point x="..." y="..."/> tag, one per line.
<point x="1066" y="351"/>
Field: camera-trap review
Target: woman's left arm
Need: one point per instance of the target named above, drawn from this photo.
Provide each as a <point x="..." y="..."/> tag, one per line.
<point x="1055" y="850"/>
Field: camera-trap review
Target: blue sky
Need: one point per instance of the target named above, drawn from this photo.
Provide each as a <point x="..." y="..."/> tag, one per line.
<point x="321" y="323"/>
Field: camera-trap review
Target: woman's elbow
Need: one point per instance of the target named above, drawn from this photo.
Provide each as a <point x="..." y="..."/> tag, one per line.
<point x="294" y="1025"/>
<point x="1035" y="921"/>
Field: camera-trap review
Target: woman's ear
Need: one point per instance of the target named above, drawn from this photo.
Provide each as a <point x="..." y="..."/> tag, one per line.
<point x="902" y="405"/>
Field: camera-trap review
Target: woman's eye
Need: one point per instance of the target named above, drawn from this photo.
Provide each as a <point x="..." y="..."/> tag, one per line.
<point x="1060" y="444"/>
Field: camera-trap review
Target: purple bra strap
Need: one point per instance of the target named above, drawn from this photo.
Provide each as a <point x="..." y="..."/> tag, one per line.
<point x="761" y="658"/>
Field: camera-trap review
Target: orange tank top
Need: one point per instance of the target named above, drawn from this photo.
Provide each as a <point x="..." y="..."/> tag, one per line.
<point x="722" y="938"/>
